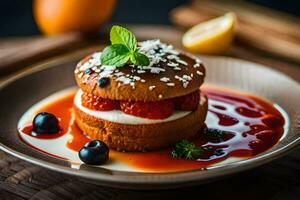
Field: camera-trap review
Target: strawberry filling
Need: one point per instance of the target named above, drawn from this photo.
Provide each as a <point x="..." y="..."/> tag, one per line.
<point x="97" y="103"/>
<point x="151" y="110"/>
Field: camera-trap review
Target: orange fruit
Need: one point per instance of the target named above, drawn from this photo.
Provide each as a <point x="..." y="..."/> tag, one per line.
<point x="60" y="16"/>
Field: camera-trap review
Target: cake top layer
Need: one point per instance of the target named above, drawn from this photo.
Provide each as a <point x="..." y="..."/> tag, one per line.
<point x="170" y="73"/>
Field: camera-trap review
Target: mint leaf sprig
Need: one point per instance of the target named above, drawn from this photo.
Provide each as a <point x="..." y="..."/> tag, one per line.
<point x="187" y="150"/>
<point x="123" y="48"/>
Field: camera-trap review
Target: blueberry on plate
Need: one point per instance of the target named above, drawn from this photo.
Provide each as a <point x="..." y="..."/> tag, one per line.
<point x="219" y="152"/>
<point x="94" y="152"/>
<point x="45" y="123"/>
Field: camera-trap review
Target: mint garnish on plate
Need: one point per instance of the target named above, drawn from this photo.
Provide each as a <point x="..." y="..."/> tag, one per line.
<point x="123" y="48"/>
<point x="187" y="150"/>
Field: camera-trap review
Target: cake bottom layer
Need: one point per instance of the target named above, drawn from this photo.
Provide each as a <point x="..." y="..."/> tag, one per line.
<point x="142" y="137"/>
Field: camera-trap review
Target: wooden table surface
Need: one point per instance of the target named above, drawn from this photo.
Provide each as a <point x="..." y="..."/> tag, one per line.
<point x="277" y="180"/>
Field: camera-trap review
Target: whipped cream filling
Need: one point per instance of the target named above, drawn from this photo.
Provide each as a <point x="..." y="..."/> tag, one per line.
<point x="118" y="116"/>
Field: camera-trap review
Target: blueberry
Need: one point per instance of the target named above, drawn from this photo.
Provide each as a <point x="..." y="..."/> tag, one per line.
<point x="45" y="123"/>
<point x="94" y="152"/>
<point x="219" y="152"/>
<point x="88" y="71"/>
<point x="215" y="135"/>
<point x="103" y="82"/>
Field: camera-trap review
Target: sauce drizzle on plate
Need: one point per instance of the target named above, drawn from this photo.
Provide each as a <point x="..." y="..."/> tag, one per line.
<point x="252" y="124"/>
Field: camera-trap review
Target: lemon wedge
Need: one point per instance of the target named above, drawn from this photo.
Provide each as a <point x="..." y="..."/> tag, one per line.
<point x="211" y="37"/>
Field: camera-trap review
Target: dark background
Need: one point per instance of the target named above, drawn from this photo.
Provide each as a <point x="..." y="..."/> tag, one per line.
<point x="16" y="15"/>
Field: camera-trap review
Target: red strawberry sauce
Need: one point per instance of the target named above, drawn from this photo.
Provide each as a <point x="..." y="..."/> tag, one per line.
<point x="253" y="125"/>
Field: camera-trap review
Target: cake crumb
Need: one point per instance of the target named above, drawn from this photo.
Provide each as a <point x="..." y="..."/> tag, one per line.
<point x="199" y="73"/>
<point x="164" y="79"/>
<point x="151" y="87"/>
<point x="196" y="65"/>
<point x="172" y="64"/>
<point x="140" y="71"/>
<point x="177" y="68"/>
<point x="182" y="62"/>
<point x="80" y="75"/>
<point x="185" y="84"/>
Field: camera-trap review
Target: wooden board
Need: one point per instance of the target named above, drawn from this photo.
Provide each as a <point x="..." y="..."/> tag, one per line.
<point x="277" y="180"/>
<point x="265" y="29"/>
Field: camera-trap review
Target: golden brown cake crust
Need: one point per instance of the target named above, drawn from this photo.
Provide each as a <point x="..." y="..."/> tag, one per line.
<point x="142" y="137"/>
<point x="181" y="78"/>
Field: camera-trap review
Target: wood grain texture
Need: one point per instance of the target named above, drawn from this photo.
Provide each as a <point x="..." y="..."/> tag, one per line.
<point x="280" y="179"/>
<point x="16" y="54"/>
<point x="262" y="28"/>
<point x="277" y="180"/>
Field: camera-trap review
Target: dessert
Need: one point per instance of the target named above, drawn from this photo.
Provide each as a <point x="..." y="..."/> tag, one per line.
<point x="137" y="108"/>
<point x="141" y="97"/>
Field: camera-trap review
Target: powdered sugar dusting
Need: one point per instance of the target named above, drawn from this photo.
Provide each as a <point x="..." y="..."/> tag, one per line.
<point x="160" y="55"/>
